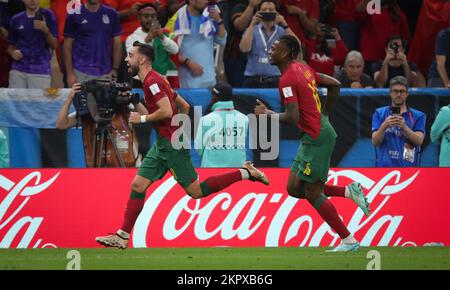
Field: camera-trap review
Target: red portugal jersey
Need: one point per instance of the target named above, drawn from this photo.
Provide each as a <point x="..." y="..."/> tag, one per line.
<point x="155" y="88"/>
<point x="298" y="85"/>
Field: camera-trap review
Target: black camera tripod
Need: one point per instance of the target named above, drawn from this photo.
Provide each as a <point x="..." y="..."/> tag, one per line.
<point x="103" y="133"/>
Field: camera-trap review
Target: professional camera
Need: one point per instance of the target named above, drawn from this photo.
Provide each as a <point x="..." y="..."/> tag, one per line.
<point x="102" y="98"/>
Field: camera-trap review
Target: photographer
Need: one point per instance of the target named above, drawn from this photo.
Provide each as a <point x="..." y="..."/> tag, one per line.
<point x="266" y="27"/>
<point x="326" y="49"/>
<point x="66" y="120"/>
<point x="396" y="64"/>
<point x="398" y="130"/>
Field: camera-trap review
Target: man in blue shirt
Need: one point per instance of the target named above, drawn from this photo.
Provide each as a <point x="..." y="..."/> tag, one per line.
<point x="439" y="73"/>
<point x="92" y="46"/>
<point x="398" y="130"/>
<point x="32" y="39"/>
<point x="222" y="134"/>
<point x="198" y="27"/>
<point x="266" y="27"/>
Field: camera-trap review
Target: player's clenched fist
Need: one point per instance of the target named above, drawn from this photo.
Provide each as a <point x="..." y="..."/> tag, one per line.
<point x="135" y="118"/>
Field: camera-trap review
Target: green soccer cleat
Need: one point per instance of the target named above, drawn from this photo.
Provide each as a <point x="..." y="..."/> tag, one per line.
<point x="345" y="248"/>
<point x="357" y="195"/>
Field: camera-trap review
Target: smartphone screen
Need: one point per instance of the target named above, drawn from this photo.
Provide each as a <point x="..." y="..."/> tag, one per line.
<point x="396" y="110"/>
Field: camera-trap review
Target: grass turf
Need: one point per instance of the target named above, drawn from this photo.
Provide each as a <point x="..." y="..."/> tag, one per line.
<point x="227" y="258"/>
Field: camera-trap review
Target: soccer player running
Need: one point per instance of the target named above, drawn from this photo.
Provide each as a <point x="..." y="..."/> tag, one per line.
<point x="161" y="102"/>
<point x="309" y="171"/>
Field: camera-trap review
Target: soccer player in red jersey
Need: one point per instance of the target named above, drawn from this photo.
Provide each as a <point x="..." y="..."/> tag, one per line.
<point x="309" y="171"/>
<point x="162" y="104"/>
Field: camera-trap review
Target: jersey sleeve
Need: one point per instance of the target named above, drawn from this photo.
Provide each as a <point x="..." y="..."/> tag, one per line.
<point x="420" y="124"/>
<point x="288" y="93"/>
<point x="376" y="121"/>
<point x="157" y="91"/>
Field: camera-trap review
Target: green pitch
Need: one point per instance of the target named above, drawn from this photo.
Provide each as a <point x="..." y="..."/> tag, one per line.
<point x="227" y="258"/>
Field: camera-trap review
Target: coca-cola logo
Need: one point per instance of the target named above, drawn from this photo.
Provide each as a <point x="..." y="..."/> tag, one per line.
<point x="18" y="195"/>
<point x="224" y="218"/>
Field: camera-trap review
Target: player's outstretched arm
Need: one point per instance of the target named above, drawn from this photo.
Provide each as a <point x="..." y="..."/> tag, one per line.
<point x="182" y="105"/>
<point x="333" y="86"/>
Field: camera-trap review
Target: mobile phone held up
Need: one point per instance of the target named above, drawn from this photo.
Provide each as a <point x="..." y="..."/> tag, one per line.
<point x="395" y="110"/>
<point x="268" y="16"/>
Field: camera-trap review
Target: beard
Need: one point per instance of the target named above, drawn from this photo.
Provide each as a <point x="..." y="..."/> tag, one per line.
<point x="133" y="71"/>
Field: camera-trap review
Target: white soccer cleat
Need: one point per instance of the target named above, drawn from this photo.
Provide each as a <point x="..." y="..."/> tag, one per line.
<point x="113" y="240"/>
<point x="255" y="174"/>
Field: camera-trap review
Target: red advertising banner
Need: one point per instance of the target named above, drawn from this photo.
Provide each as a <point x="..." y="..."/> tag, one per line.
<point x="70" y="207"/>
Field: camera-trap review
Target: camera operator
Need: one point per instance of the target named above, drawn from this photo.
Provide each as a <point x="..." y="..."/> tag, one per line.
<point x="266" y="27"/>
<point x="66" y="120"/>
<point x="396" y="64"/>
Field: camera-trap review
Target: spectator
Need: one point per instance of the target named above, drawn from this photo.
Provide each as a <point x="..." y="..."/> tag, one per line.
<point x="128" y="11"/>
<point x="345" y="18"/>
<point x="4" y="151"/>
<point x="222" y="134"/>
<point x="440" y="68"/>
<point x="352" y="74"/>
<point x="234" y="60"/>
<point x="440" y="133"/>
<point x="32" y="39"/>
<point x="396" y="64"/>
<point x="326" y="50"/>
<point x="398" y="130"/>
<point x="198" y="26"/>
<point x="377" y="28"/>
<point x="257" y="41"/>
<point x="151" y="33"/>
<point x="92" y="47"/>
<point x="433" y="17"/>
<point x="301" y="16"/>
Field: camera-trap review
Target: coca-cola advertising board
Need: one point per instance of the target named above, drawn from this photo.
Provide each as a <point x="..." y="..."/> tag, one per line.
<point x="69" y="207"/>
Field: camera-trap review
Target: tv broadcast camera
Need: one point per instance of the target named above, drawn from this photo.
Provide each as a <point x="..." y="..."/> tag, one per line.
<point x="102" y="110"/>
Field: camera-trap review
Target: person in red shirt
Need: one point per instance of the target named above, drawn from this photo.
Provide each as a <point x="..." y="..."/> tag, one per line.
<point x="326" y="50"/>
<point x="344" y="18"/>
<point x="376" y="29"/>
<point x="309" y="171"/>
<point x="162" y="104"/>
<point x="301" y="16"/>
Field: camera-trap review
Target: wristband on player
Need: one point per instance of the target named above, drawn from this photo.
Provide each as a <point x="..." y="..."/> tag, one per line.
<point x="143" y="119"/>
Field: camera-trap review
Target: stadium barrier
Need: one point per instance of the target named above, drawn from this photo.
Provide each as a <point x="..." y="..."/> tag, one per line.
<point x="68" y="208"/>
<point x="29" y="115"/>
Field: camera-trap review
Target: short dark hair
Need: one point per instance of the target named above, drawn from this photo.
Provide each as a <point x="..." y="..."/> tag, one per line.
<point x="145" y="49"/>
<point x="399" y="80"/>
<point x="145" y="5"/>
<point x="292" y="43"/>
<point x="270" y="1"/>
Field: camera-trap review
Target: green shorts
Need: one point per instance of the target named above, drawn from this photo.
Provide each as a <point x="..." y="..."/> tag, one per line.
<point x="162" y="157"/>
<point x="313" y="158"/>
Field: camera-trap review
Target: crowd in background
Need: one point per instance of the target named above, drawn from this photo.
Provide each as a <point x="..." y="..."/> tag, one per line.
<point x="198" y="42"/>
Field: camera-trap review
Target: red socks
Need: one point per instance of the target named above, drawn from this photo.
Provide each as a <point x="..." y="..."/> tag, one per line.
<point x="333" y="190"/>
<point x="329" y="214"/>
<point x="218" y="182"/>
<point x="134" y="208"/>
